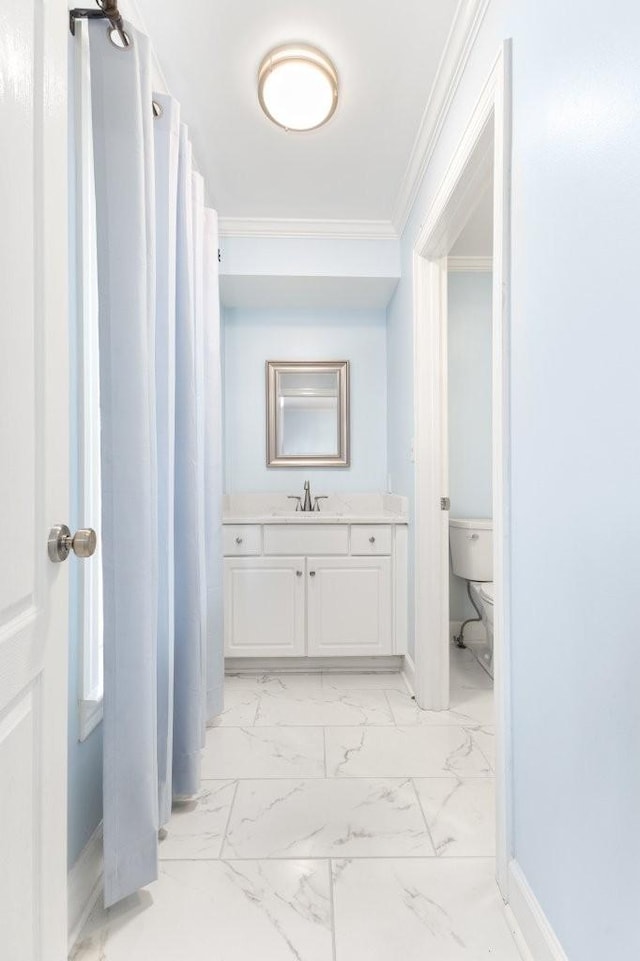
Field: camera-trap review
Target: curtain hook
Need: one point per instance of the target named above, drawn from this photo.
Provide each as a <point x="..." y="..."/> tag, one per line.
<point x="116" y="30"/>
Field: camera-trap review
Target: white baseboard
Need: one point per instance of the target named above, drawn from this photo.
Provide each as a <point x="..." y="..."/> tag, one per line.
<point x="310" y="665"/>
<point x="84" y="885"/>
<point x="536" y="933"/>
<point x="409" y="673"/>
<point x="472" y="632"/>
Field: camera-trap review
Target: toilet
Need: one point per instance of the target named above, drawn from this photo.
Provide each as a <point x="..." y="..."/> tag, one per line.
<point x="471" y="545"/>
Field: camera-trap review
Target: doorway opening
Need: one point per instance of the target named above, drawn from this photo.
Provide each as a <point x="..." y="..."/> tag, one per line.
<point x="478" y="170"/>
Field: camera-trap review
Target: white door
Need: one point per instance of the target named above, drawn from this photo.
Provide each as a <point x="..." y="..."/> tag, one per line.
<point x="264" y="606"/>
<point x="349" y="606"/>
<point x="34" y="419"/>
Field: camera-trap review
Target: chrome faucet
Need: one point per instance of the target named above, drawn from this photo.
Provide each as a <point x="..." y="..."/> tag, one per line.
<point x="305" y="503"/>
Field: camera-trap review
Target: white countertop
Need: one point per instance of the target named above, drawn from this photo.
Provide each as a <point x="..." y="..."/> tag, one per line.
<point x="315" y="517"/>
<point x="336" y="509"/>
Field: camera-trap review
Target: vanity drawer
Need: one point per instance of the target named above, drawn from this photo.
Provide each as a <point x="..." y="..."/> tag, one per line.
<point x="370" y="539"/>
<point x="241" y="540"/>
<point x="303" y="539"/>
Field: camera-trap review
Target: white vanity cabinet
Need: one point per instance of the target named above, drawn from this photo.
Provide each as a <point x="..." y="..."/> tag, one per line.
<point x="315" y="589"/>
<point x="264" y="606"/>
<point x="349" y="606"/>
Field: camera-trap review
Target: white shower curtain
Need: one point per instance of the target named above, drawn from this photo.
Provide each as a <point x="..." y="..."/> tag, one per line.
<point x="161" y="469"/>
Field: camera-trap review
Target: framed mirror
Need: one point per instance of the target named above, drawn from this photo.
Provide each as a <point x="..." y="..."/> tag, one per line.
<point x="308" y="413"/>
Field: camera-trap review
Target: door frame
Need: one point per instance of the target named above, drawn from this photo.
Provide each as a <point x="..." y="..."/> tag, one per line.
<point x="484" y="147"/>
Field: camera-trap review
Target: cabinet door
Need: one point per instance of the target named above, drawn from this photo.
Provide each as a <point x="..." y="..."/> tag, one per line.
<point x="264" y="606"/>
<point x="349" y="606"/>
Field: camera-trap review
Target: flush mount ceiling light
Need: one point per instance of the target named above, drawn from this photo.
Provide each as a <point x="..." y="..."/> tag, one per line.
<point x="298" y="87"/>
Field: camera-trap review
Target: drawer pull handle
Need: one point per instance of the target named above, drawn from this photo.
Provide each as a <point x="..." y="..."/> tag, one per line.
<point x="238" y="540"/>
<point x="312" y="573"/>
<point x="298" y="573"/>
<point x="372" y="540"/>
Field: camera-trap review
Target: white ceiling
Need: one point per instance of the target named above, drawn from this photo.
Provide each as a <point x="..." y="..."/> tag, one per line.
<point x="386" y="55"/>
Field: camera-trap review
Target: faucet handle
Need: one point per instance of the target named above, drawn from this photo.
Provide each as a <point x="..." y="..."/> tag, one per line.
<point x="321" y="497"/>
<point x="295" y="497"/>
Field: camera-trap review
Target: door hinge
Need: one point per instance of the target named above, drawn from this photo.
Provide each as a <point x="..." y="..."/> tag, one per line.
<point x="445" y="504"/>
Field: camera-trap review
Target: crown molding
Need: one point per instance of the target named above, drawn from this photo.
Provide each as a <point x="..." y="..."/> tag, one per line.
<point x="466" y="264"/>
<point x="462" y="36"/>
<point x="293" y="228"/>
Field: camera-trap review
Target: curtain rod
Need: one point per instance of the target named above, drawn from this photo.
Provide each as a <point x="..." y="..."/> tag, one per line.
<point x="108" y="10"/>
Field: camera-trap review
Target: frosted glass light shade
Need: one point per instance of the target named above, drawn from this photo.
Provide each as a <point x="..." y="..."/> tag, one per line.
<point x="298" y="87"/>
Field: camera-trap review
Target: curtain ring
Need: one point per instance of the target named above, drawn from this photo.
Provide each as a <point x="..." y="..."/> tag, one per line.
<point x="119" y="38"/>
<point x="117" y="34"/>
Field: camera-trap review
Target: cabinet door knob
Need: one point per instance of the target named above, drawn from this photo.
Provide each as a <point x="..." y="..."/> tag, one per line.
<point x="238" y="540"/>
<point x="298" y="573"/>
<point x="312" y="573"/>
<point x="372" y="540"/>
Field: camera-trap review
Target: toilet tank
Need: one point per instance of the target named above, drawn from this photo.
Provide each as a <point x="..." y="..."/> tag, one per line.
<point x="471" y="543"/>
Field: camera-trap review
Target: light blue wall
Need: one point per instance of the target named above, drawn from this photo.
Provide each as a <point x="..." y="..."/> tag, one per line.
<point x="309" y="257"/>
<point x="469" y="369"/>
<point x="575" y="446"/>
<point x="84" y="784"/>
<point x="252" y="337"/>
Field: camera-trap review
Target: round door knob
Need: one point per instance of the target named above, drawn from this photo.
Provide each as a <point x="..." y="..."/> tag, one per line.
<point x="61" y="542"/>
<point x="84" y="542"/>
<point x="372" y="540"/>
<point x="238" y="540"/>
<point x="312" y="573"/>
<point x="298" y="573"/>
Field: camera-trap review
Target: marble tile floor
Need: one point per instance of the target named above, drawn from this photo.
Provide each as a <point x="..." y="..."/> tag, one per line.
<point x="336" y="822"/>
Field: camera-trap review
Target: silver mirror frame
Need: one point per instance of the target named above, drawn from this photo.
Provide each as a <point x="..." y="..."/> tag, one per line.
<point x="342" y="458"/>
